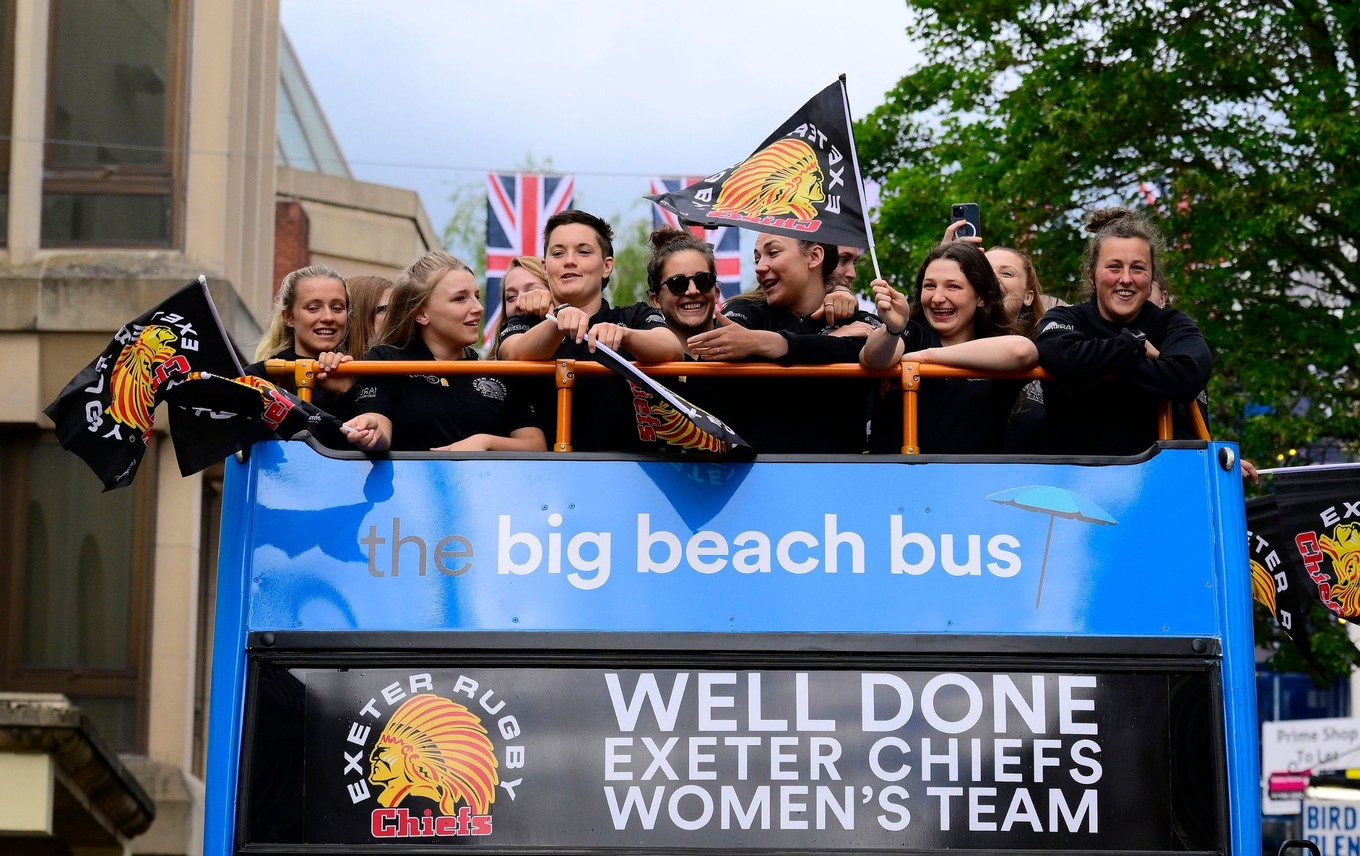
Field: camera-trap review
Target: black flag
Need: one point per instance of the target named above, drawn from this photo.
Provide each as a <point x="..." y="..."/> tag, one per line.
<point x="802" y="182"/>
<point x="670" y="421"/>
<point x="1320" y="517"/>
<point x="1277" y="579"/>
<point x="106" y="413"/>
<point x="213" y="417"/>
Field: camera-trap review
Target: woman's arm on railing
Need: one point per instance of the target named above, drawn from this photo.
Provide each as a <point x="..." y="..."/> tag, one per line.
<point x="997" y="353"/>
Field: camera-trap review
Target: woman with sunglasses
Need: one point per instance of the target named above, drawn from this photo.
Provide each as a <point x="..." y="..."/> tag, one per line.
<point x="682" y="279"/>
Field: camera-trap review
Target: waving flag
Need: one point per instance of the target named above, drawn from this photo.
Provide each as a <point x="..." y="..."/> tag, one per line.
<point x="726" y="240"/>
<point x="105" y="415"/>
<point x="803" y="181"/>
<point x="214" y="416"/>
<point x="1277" y="578"/>
<point x="669" y="421"/>
<point x="518" y="205"/>
<point x="1320" y="518"/>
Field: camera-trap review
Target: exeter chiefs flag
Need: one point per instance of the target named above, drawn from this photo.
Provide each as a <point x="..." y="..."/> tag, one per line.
<point x="213" y="417"/>
<point x="1277" y="581"/>
<point x="106" y="413"/>
<point x="1320" y="518"/>
<point x="669" y="421"/>
<point x="802" y="182"/>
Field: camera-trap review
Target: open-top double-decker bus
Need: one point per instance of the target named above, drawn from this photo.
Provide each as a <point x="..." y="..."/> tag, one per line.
<point x="571" y="653"/>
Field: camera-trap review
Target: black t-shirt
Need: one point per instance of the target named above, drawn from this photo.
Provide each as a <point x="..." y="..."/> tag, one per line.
<point x="434" y="410"/>
<point x="1092" y="416"/>
<point x="955" y="416"/>
<point x="796" y="415"/>
<point x="602" y="407"/>
<point x="340" y="405"/>
<point x="1025" y="430"/>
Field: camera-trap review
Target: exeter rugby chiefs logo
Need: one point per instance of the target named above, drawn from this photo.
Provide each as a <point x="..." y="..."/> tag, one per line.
<point x="435" y="751"/>
<point x="143" y="366"/>
<point x="435" y="748"/>
<point x="781" y="179"/>
<point x="1332" y="560"/>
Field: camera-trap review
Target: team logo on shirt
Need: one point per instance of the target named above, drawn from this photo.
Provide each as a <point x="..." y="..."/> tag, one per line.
<point x="489" y="387"/>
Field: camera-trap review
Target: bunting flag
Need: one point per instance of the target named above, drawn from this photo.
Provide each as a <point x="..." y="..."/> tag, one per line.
<point x="214" y="416"/>
<point x="1277" y="580"/>
<point x="106" y="414"/>
<point x="668" y="420"/>
<point x="518" y="205"/>
<point x="1319" y="512"/>
<point x="725" y="240"/>
<point x="803" y="181"/>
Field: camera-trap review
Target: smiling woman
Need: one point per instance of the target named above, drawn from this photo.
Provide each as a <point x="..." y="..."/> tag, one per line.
<point x="310" y="321"/>
<point x="682" y="279"/>
<point x="434" y="314"/>
<point x="569" y="319"/>
<point x="958" y="316"/>
<point x="1152" y="353"/>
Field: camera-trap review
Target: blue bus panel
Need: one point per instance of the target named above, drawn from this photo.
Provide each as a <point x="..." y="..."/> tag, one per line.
<point x="776" y="656"/>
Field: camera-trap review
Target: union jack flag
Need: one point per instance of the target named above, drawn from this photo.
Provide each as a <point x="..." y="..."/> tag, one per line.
<point x="726" y="240"/>
<point x="518" y="204"/>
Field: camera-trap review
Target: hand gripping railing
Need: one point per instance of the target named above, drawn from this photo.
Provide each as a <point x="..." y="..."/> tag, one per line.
<point x="564" y="372"/>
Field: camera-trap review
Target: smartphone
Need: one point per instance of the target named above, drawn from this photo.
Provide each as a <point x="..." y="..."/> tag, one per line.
<point x="966" y="211"/>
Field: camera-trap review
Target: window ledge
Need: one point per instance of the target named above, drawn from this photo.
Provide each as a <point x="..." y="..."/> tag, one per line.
<point x="49" y="724"/>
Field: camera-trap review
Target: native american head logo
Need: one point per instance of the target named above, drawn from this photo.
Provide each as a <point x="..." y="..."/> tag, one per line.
<point x="1344" y="550"/>
<point x="780" y="179"/>
<point x="1262" y="586"/>
<point x="133" y="382"/>
<point x="435" y="748"/>
<point x="679" y="431"/>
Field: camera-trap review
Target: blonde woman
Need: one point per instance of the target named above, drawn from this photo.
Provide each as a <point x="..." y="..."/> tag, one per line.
<point x="310" y="321"/>
<point x="434" y="314"/>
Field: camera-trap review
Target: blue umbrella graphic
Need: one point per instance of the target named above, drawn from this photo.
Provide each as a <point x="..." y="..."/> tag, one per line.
<point x="1055" y="502"/>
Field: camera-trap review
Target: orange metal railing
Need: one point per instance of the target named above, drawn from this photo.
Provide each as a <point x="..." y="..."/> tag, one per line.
<point x="565" y="372"/>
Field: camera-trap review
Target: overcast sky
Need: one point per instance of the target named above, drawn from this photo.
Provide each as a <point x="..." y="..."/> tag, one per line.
<point x="431" y="94"/>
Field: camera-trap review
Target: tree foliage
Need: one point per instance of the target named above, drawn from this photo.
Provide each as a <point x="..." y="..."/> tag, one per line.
<point x="1241" y="114"/>
<point x="628" y="285"/>
<point x="465" y="233"/>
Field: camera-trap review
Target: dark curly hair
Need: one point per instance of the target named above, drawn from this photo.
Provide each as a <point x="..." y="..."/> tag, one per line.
<point x="990" y="318"/>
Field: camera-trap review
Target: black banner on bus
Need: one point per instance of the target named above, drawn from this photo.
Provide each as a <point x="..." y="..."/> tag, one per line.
<point x="669" y="759"/>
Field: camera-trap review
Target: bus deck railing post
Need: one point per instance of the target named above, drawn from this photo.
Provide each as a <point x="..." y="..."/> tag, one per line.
<point x="566" y="382"/>
<point x="911" y="384"/>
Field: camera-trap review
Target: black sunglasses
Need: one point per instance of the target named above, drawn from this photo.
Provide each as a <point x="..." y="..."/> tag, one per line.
<point x="679" y="284"/>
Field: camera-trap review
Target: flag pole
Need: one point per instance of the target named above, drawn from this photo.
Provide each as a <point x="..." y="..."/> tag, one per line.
<point x="854" y="160"/>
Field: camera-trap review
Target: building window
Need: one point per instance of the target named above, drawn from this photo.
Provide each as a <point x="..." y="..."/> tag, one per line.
<point x="114" y="124"/>
<point x="76" y="583"/>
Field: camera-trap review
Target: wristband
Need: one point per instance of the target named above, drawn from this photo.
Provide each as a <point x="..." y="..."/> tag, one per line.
<point x="558" y="308"/>
<point x="892" y="332"/>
